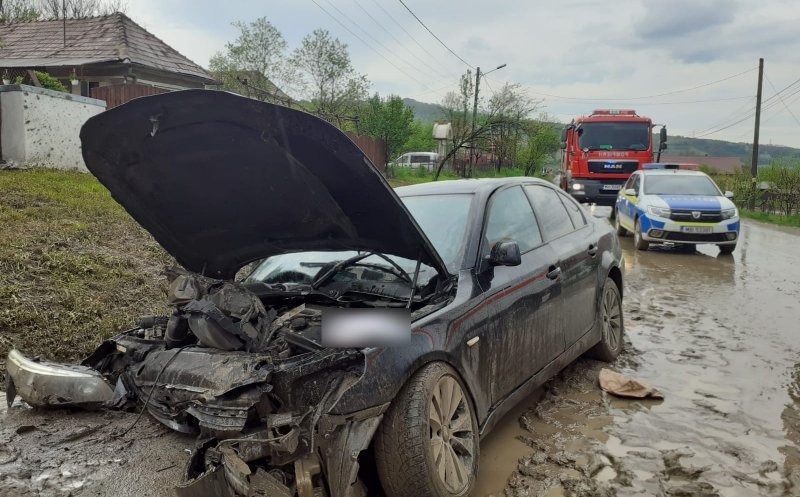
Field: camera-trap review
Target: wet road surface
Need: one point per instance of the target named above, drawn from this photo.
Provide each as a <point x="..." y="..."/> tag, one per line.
<point x="718" y="335"/>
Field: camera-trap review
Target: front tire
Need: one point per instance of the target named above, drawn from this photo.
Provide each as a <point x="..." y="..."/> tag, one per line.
<point x="638" y="241"/>
<point x="727" y="249"/>
<point x="427" y="444"/>
<point x="612" y="325"/>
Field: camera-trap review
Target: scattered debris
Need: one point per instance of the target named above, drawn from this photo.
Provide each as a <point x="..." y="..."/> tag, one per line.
<point x="622" y="386"/>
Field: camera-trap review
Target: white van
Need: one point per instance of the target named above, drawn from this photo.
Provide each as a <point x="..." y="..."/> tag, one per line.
<point x="427" y="160"/>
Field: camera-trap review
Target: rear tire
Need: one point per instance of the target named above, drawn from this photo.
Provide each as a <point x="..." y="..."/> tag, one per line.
<point x="638" y="241"/>
<point x="612" y="325"/>
<point x="621" y="231"/>
<point x="427" y="444"/>
<point x="727" y="249"/>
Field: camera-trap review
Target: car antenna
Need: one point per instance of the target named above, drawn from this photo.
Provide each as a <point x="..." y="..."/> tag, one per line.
<point x="414" y="281"/>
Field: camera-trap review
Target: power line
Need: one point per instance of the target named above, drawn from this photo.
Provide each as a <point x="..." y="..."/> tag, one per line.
<point x="781" y="99"/>
<point x="644" y="97"/>
<point x="399" y="43"/>
<point x="387" y="49"/>
<point x="677" y="102"/>
<point x="366" y="44"/>
<point x="766" y="105"/>
<point x="432" y="34"/>
<point x="410" y="36"/>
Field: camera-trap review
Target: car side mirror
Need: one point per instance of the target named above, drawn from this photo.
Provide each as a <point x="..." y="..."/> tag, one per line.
<point x="729" y="194"/>
<point x="631" y="192"/>
<point x="505" y="253"/>
<point x="563" y="145"/>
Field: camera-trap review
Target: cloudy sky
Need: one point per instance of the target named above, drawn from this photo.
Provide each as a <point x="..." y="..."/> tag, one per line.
<point x="576" y="55"/>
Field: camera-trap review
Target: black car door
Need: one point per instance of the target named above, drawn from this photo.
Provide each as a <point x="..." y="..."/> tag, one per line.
<point x="522" y="331"/>
<point x="571" y="237"/>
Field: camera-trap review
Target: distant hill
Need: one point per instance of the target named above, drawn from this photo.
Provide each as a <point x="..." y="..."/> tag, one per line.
<point x="424" y="111"/>
<point x="677" y="145"/>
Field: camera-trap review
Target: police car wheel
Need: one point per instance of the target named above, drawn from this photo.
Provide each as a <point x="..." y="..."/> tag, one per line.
<point x="727" y="249"/>
<point x="620" y="230"/>
<point x="611" y="324"/>
<point x="638" y="242"/>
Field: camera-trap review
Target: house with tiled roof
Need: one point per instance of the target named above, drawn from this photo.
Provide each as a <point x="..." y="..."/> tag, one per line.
<point x="96" y="51"/>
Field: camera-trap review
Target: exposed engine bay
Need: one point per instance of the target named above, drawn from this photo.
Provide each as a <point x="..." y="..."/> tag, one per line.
<point x="241" y="365"/>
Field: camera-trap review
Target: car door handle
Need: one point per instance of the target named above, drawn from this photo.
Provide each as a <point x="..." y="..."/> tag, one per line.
<point x="592" y="250"/>
<point x="554" y="272"/>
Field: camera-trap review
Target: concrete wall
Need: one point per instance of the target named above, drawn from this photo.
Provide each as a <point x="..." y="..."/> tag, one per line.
<point x="40" y="128"/>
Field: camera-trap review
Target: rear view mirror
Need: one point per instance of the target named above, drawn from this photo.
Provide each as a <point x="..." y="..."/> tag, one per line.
<point x="505" y="253"/>
<point x="728" y="194"/>
<point x="631" y="192"/>
<point x="663" y="135"/>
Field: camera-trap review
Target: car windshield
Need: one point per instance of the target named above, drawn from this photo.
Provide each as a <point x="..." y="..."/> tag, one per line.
<point x="443" y="219"/>
<point x="614" y="136"/>
<point x="304" y="267"/>
<point x="679" y="184"/>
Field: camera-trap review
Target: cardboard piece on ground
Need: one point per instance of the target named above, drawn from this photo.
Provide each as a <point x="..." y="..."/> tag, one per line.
<point x="619" y="384"/>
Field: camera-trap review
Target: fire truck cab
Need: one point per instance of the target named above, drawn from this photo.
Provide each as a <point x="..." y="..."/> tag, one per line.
<point x="600" y="151"/>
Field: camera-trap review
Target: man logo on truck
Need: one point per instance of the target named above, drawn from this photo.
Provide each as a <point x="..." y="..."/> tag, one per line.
<point x="588" y="142"/>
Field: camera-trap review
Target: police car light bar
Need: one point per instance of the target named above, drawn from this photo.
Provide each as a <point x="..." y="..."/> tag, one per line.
<point x="660" y="165"/>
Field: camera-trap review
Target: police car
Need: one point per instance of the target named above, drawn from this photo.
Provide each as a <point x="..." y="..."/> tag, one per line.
<point x="667" y="204"/>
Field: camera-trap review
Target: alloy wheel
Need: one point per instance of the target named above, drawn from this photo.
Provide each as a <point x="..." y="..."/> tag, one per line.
<point x="612" y="318"/>
<point x="451" y="432"/>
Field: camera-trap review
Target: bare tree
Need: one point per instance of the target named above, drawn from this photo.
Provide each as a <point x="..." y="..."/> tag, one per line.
<point x="18" y="11"/>
<point x="513" y="107"/>
<point x="76" y="9"/>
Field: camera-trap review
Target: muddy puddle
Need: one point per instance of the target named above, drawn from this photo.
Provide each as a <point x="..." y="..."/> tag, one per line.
<point x="720" y="337"/>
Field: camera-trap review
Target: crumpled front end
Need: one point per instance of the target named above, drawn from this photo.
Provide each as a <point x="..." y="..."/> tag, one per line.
<point x="251" y="381"/>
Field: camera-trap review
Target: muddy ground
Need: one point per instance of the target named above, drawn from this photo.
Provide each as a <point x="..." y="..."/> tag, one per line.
<point x="719" y="336"/>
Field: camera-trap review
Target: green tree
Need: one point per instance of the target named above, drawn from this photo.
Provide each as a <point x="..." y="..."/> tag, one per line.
<point x="387" y="119"/>
<point x="256" y="64"/>
<point x="420" y="139"/>
<point x="541" y="142"/>
<point x="328" y="78"/>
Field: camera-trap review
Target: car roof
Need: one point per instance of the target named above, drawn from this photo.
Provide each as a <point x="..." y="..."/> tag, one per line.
<point x="657" y="172"/>
<point x="472" y="186"/>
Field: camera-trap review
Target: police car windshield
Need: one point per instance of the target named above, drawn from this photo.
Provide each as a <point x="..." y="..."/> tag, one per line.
<point x="679" y="184"/>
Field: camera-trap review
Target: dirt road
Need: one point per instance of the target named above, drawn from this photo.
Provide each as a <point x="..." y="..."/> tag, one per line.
<point x="719" y="336"/>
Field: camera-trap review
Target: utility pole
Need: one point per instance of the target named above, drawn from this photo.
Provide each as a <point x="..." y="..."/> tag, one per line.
<point x="472" y="144"/>
<point x="474" y="116"/>
<point x="754" y="162"/>
<point x="64" y="20"/>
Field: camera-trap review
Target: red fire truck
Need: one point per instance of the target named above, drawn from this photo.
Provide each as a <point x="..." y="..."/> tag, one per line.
<point x="600" y="151"/>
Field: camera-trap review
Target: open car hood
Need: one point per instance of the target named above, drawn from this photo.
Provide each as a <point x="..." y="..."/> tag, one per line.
<point x="221" y="180"/>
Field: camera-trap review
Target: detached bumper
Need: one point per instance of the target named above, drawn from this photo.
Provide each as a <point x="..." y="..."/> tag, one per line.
<point x="44" y="384"/>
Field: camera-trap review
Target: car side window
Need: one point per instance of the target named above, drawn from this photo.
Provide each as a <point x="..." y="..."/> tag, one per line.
<point x="574" y="210"/>
<point x="511" y="218"/>
<point x="636" y="183"/>
<point x="628" y="184"/>
<point x="554" y="218"/>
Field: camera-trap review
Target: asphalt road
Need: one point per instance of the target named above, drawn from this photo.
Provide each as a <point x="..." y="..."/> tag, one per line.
<point x="718" y="335"/>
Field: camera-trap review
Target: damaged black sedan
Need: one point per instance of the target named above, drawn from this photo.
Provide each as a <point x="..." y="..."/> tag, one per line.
<point x="504" y="282"/>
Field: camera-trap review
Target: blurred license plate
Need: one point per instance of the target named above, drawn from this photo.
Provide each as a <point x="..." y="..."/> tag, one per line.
<point x="612" y="187"/>
<point x="696" y="229"/>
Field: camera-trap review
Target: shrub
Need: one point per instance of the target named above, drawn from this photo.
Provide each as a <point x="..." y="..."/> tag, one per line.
<point x="50" y="82"/>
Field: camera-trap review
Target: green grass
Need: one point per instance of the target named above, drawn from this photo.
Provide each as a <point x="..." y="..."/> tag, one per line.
<point x="74" y="266"/>
<point x="779" y="219"/>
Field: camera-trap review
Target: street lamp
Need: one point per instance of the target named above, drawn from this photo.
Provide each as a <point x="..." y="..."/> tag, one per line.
<point x="475" y="113"/>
